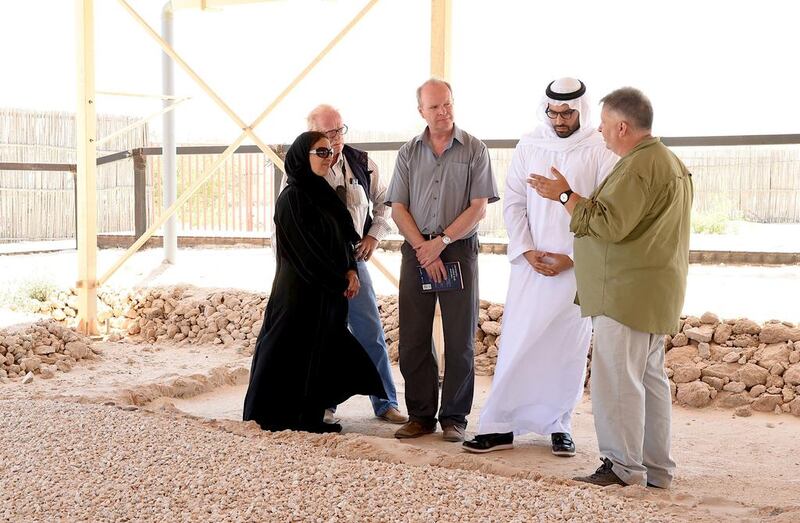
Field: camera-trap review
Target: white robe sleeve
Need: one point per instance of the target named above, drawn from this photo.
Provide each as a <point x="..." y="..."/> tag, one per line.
<point x="515" y="208"/>
<point x="606" y="164"/>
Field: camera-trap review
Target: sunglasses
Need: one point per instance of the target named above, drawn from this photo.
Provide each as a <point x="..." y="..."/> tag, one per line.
<point x="322" y="152"/>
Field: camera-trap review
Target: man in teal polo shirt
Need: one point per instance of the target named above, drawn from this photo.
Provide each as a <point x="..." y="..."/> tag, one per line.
<point x="631" y="260"/>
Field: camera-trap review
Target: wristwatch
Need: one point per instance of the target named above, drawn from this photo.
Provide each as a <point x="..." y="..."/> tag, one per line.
<point x="446" y="239"/>
<point x="564" y="196"/>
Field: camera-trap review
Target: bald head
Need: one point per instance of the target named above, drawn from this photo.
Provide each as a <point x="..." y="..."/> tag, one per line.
<point x="326" y="119"/>
<point x="320" y="115"/>
<point x="433" y="82"/>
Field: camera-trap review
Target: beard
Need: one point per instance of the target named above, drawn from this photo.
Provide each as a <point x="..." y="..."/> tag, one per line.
<point x="566" y="131"/>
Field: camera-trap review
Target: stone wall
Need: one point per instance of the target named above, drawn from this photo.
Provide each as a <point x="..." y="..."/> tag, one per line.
<point x="733" y="363"/>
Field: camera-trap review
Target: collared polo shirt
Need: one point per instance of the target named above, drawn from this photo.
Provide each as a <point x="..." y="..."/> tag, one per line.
<point x="437" y="189"/>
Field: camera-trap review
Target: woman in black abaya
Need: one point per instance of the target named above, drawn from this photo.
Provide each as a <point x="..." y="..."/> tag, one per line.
<point x="305" y="358"/>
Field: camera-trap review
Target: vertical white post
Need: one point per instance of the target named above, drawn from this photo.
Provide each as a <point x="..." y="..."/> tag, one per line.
<point x="169" y="151"/>
<point x="87" y="166"/>
<point x="441" y="17"/>
<point x="441" y="14"/>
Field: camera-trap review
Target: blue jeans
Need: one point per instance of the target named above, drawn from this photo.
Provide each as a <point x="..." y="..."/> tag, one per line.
<point x="364" y="322"/>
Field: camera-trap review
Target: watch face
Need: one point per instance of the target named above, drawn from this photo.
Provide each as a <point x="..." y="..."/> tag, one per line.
<point x="563" y="197"/>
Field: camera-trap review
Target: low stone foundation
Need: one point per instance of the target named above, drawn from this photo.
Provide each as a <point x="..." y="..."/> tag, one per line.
<point x="735" y="364"/>
<point x="732" y="363"/>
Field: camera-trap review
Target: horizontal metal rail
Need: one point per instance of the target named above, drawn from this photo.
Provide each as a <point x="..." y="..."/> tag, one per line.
<point x="671" y="141"/>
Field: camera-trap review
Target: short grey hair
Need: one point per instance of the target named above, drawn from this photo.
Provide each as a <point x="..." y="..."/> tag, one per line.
<point x="632" y="104"/>
<point x="311" y="119"/>
<point x="432" y="81"/>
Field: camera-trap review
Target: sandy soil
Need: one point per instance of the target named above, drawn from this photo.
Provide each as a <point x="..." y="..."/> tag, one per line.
<point x="131" y="434"/>
<point x="729" y="468"/>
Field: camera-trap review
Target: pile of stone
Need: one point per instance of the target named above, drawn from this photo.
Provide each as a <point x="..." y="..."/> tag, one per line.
<point x="735" y="364"/>
<point x="188" y="315"/>
<point x="111" y="307"/>
<point x="40" y="349"/>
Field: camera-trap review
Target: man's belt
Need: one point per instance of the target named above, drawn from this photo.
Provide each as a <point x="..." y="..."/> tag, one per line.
<point x="436" y="235"/>
<point x="432" y="236"/>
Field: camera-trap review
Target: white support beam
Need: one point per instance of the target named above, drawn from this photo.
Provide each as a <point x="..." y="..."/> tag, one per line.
<point x="169" y="147"/>
<point x="441" y="36"/>
<point x="169" y="211"/>
<point x="274" y="158"/>
<point x="140" y="95"/>
<point x="170" y="106"/>
<point x="210" y="4"/>
<point x="247" y="129"/>
<point x="87" y="166"/>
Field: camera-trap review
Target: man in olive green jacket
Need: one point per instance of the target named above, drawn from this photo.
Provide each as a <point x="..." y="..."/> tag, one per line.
<point x="631" y="259"/>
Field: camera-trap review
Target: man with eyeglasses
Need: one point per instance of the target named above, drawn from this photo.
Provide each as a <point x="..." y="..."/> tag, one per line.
<point x="355" y="178"/>
<point x="631" y="261"/>
<point x="441" y="185"/>
<point x="542" y="355"/>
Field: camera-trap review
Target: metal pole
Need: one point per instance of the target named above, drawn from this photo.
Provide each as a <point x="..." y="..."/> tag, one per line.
<point x="87" y="170"/>
<point x="139" y="193"/>
<point x="75" y="203"/>
<point x="169" y="172"/>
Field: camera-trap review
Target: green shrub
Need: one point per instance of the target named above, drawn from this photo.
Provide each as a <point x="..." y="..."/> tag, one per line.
<point x="710" y="223"/>
<point x="29" y="295"/>
<point x="39" y="290"/>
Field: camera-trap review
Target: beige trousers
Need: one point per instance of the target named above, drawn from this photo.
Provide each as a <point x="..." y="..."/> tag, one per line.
<point x="632" y="403"/>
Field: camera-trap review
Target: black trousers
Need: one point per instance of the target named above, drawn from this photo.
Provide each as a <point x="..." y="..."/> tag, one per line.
<point x="460" y="320"/>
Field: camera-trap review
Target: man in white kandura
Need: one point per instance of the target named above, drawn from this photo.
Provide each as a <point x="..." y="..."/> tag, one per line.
<point x="542" y="358"/>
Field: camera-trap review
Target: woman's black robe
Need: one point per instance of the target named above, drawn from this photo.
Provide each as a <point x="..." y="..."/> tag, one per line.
<point x="305" y="358"/>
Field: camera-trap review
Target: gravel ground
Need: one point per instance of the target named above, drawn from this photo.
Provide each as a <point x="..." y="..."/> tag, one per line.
<point x="102" y="463"/>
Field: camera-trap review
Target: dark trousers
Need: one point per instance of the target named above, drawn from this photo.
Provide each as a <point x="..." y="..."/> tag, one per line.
<point x="459" y="318"/>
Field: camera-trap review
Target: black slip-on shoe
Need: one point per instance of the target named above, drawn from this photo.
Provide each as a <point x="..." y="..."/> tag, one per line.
<point x="603" y="476"/>
<point x="482" y="443"/>
<point x="562" y="444"/>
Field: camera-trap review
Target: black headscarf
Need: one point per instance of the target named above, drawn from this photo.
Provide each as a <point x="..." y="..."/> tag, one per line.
<point x="299" y="174"/>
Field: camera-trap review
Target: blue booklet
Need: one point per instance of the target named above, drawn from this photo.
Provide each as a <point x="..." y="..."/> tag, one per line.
<point x="453" y="282"/>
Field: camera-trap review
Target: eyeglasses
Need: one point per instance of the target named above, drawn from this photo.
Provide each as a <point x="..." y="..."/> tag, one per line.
<point x="566" y="115"/>
<point x="333" y="133"/>
<point x="322" y="152"/>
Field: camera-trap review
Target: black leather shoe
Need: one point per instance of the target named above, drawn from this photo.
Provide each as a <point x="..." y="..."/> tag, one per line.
<point x="482" y="443"/>
<point x="603" y="476"/>
<point x="562" y="444"/>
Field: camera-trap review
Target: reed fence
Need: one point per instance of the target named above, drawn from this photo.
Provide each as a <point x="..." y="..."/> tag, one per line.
<point x="753" y="183"/>
<point x="40" y="205"/>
